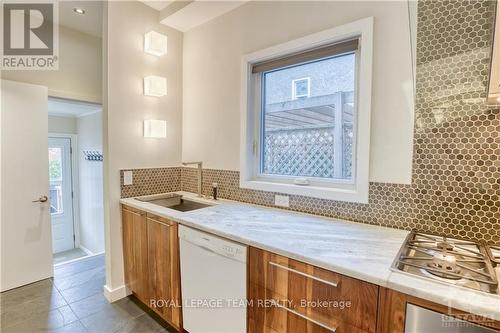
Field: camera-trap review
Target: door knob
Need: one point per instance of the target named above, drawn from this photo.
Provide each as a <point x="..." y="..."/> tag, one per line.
<point x="43" y="198"/>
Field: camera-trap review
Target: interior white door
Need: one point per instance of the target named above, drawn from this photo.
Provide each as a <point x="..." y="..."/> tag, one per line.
<point x="26" y="241"/>
<point x="60" y="194"/>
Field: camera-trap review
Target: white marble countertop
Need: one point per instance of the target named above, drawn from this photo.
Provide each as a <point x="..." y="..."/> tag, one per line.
<point x="358" y="250"/>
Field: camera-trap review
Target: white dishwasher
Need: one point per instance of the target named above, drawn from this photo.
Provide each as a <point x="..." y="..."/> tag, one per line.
<point x="213" y="283"/>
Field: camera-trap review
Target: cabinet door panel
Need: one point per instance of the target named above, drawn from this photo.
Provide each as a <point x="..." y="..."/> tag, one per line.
<point x="128" y="253"/>
<point x="140" y="261"/>
<point x="160" y="282"/>
<point x="392" y="312"/>
<point x="164" y="274"/>
<point x="135" y="252"/>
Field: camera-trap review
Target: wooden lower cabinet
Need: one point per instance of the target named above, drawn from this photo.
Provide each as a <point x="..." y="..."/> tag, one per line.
<point x="135" y="252"/>
<point x="290" y="296"/>
<point x="151" y="260"/>
<point x="164" y="269"/>
<point x="285" y="295"/>
<point x="392" y="312"/>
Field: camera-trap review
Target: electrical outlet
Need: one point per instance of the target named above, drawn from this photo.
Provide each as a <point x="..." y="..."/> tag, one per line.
<point x="282" y="200"/>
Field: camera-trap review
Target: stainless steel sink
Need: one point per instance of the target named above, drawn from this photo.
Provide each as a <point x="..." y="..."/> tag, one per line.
<point x="174" y="201"/>
<point x="186" y="205"/>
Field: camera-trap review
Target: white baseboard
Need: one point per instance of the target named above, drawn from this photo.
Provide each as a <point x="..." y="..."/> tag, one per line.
<point x="90" y="253"/>
<point x="84" y="249"/>
<point x="113" y="295"/>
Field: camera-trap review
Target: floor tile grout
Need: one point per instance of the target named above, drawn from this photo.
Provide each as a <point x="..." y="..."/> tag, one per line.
<point x="78" y="300"/>
<point x="121" y="316"/>
<point x="84" y="327"/>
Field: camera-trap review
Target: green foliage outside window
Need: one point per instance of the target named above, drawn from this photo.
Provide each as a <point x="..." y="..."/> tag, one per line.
<point x="55" y="170"/>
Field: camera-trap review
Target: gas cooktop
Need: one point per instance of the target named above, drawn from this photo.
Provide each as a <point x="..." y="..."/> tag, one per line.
<point x="451" y="261"/>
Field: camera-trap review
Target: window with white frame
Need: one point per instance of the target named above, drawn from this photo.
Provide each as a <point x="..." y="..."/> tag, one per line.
<point x="301" y="88"/>
<point x="312" y="142"/>
<point x="310" y="137"/>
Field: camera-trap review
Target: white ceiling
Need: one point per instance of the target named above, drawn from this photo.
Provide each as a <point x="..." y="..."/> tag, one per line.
<point x="89" y="23"/>
<point x="67" y="108"/>
<point x="158" y="5"/>
<point x="182" y="17"/>
<point x="199" y="12"/>
<point x="192" y="13"/>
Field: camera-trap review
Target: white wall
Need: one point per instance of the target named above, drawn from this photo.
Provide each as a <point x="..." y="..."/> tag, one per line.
<point x="80" y="66"/>
<point x="205" y="71"/>
<point x="211" y="77"/>
<point x="66" y="125"/>
<point x="90" y="184"/>
<point x="125" y="108"/>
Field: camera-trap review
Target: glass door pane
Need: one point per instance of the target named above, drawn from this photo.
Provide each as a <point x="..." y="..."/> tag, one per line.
<point x="55" y="180"/>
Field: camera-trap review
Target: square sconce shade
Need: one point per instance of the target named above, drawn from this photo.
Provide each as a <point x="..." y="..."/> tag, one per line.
<point x="155" y="128"/>
<point x="155" y="86"/>
<point x="155" y="43"/>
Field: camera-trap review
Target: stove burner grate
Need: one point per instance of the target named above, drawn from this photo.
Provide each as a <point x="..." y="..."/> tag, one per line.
<point x="445" y="246"/>
<point x="448" y="260"/>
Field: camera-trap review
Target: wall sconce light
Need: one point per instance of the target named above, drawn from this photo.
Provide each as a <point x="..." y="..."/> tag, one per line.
<point x="155" y="86"/>
<point x="155" y="128"/>
<point x="155" y="43"/>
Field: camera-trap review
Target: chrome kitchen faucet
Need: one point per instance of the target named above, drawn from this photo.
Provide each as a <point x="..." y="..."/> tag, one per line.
<point x="200" y="175"/>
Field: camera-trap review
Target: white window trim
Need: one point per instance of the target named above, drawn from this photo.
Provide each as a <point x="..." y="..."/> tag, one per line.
<point x="294" y="88"/>
<point x="357" y="192"/>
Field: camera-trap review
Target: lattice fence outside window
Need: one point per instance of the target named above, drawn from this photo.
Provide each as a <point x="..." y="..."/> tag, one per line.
<point x="306" y="152"/>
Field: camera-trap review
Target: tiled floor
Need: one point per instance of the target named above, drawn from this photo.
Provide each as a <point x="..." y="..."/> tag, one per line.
<point x="72" y="302"/>
<point x="69" y="255"/>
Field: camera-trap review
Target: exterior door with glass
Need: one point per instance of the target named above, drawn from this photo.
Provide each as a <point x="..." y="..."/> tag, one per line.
<point x="60" y="192"/>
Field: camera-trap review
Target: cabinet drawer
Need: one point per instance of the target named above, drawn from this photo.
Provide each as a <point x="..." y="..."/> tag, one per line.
<point x="311" y="296"/>
<point x="159" y="219"/>
<point x="280" y="319"/>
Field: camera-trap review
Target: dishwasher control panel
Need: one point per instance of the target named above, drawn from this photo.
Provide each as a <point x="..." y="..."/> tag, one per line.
<point x="214" y="243"/>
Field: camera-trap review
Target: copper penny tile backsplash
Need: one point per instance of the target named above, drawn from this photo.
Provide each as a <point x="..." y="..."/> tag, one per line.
<point x="455" y="186"/>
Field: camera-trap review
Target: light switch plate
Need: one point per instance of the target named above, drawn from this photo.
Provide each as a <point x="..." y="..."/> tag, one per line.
<point x="127" y="178"/>
<point x="282" y="200"/>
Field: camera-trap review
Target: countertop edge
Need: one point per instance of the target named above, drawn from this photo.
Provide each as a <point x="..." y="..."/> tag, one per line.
<point x="308" y="260"/>
<point x="393" y="280"/>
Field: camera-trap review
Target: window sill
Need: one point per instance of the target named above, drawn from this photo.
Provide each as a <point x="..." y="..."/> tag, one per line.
<point x="355" y="194"/>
